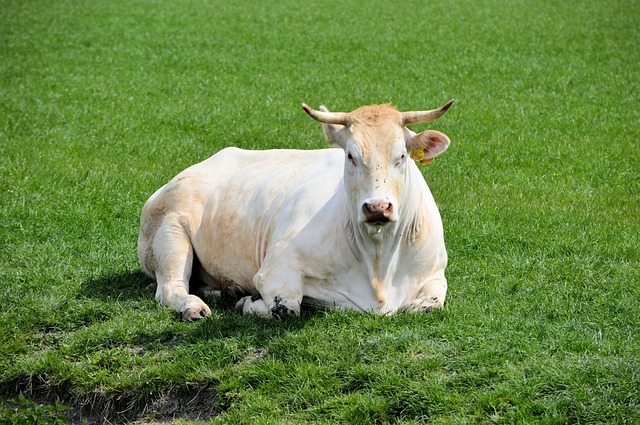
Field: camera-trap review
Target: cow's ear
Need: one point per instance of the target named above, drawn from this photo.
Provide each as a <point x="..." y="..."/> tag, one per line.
<point x="423" y="147"/>
<point x="334" y="133"/>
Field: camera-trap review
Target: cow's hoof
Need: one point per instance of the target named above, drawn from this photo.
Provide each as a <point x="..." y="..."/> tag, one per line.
<point x="281" y="311"/>
<point x="195" y="313"/>
<point x="432" y="304"/>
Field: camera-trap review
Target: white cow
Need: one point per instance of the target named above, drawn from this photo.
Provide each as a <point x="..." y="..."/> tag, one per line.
<point x="354" y="227"/>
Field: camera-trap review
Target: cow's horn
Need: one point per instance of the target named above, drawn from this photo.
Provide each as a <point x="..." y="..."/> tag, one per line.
<point x="413" y="117"/>
<point x="327" y="117"/>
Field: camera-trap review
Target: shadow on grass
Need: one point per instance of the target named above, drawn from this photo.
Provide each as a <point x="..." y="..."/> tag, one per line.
<point x="136" y="286"/>
<point x="162" y="399"/>
<point x="131" y="285"/>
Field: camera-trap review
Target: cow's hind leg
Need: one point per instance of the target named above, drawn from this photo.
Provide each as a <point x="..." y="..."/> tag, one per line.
<point x="173" y="255"/>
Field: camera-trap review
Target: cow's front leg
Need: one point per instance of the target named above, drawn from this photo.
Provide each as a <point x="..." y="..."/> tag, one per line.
<point x="431" y="295"/>
<point x="281" y="296"/>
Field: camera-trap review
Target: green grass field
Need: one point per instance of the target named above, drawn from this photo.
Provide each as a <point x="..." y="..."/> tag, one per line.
<point x="103" y="102"/>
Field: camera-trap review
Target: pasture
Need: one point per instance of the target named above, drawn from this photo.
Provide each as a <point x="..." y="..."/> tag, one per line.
<point x="101" y="103"/>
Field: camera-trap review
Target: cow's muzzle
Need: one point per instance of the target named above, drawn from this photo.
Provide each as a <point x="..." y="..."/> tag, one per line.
<point x="377" y="211"/>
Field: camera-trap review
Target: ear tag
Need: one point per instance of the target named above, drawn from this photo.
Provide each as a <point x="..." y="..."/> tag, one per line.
<point x="418" y="155"/>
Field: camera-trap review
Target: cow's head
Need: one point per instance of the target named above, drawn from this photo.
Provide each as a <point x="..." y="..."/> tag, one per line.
<point x="377" y="146"/>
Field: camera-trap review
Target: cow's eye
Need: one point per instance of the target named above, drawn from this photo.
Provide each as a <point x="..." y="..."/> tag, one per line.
<point x="400" y="161"/>
<point x="350" y="158"/>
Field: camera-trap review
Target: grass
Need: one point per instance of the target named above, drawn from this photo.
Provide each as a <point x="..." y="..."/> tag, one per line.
<point x="103" y="102"/>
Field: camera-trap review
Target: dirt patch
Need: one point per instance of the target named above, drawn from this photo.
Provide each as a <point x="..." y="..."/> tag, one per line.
<point x="190" y="403"/>
<point x="199" y="405"/>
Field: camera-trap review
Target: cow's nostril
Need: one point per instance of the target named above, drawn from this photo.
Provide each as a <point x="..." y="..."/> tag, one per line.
<point x="388" y="211"/>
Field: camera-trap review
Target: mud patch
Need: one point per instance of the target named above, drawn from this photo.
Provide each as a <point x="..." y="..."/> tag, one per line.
<point x="192" y="403"/>
<point x="198" y="405"/>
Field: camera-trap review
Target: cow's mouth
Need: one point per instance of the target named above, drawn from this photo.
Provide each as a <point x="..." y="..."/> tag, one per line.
<point x="378" y="221"/>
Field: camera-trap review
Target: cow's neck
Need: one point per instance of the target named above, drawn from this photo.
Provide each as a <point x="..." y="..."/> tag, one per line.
<point x="379" y="248"/>
<point x="379" y="252"/>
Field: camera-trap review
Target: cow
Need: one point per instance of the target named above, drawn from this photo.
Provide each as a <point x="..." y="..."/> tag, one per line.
<point x="352" y="226"/>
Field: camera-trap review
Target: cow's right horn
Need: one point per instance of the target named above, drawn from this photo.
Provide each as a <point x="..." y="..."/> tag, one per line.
<point x="413" y="117"/>
<point x="327" y="117"/>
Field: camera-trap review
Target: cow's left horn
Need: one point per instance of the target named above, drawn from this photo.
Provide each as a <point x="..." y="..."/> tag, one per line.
<point x="413" y="117"/>
<point x="327" y="117"/>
